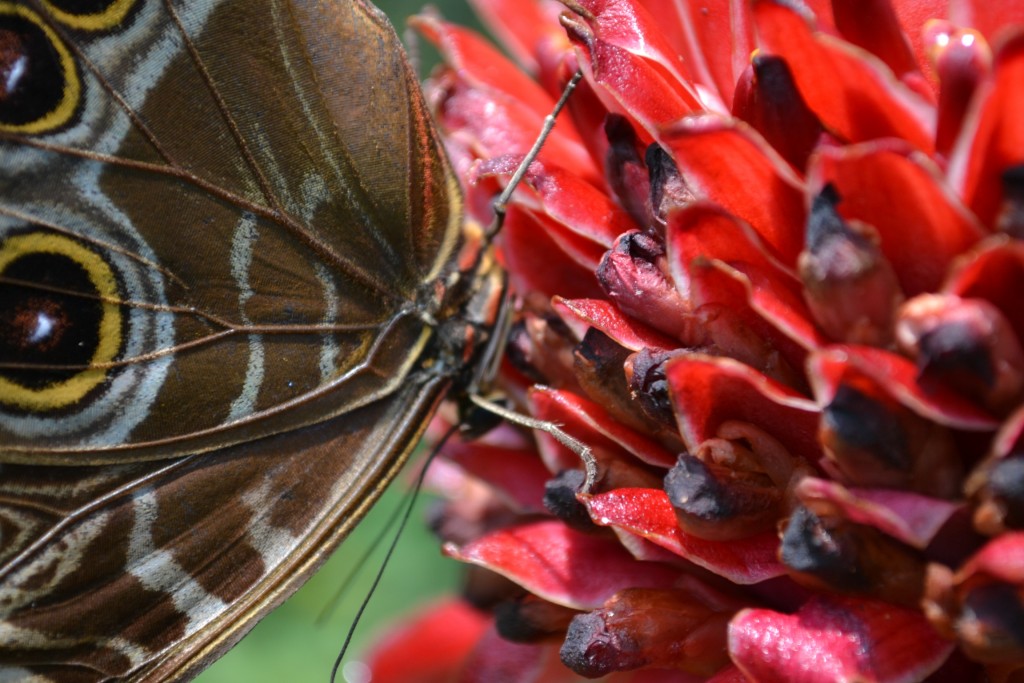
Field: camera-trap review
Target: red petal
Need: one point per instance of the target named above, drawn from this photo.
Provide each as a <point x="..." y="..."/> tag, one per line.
<point x="429" y="648"/>
<point x="978" y="160"/>
<point x="590" y="423"/>
<point x="890" y="187"/>
<point x="853" y="93"/>
<point x="521" y="25"/>
<point x="994" y="272"/>
<point x="536" y="261"/>
<point x="580" y="314"/>
<point x="836" y="639"/>
<point x="703" y="232"/>
<point x="706" y="391"/>
<point x="729" y="674"/>
<point x="480" y="64"/>
<point x="873" y="26"/>
<point x="714" y="38"/>
<point x="908" y="517"/>
<point x="635" y="68"/>
<point x="648" y="514"/>
<point x="897" y="377"/>
<point x="728" y="163"/>
<point x="991" y="17"/>
<point x="562" y="566"/>
<point x="912" y="17"/>
<point x="495" y="103"/>
<point x="585" y="220"/>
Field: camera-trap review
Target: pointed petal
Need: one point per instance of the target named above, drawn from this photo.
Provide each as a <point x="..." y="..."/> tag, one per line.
<point x="836" y="639"/>
<point x="897" y="377"/>
<point x="908" y="517"/>
<point x="649" y="514"/>
<point x="562" y="566"/>
<point x="591" y="424"/>
<point x="853" y="93"/>
<point x="728" y="163"/>
<point x="602" y="315"/>
<point x="890" y="187"/>
<point x="707" y="391"/>
<point x="994" y="139"/>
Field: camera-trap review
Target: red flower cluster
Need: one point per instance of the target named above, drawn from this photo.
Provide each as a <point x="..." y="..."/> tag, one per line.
<point x="768" y="266"/>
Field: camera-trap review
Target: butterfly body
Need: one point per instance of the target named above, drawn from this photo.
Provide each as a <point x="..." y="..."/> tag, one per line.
<point x="234" y="285"/>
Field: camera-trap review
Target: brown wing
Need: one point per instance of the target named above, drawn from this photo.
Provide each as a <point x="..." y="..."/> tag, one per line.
<point x="240" y="217"/>
<point x="220" y="224"/>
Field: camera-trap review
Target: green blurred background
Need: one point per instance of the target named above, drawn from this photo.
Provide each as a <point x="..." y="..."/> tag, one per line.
<point x="288" y="645"/>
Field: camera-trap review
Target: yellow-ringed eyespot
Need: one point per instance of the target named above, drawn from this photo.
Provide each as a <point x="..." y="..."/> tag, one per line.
<point x="57" y="308"/>
<point x="40" y="87"/>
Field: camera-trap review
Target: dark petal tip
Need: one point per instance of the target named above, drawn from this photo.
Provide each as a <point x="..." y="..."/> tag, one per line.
<point x="591" y="650"/>
<point x="560" y="500"/>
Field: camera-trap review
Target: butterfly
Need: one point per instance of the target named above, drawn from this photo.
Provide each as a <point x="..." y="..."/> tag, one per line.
<point x="235" y="283"/>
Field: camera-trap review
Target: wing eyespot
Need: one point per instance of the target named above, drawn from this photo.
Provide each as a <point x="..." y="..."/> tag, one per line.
<point x="40" y="85"/>
<point x="57" y="308"/>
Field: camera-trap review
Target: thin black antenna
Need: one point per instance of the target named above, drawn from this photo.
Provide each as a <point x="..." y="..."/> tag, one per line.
<point x="332" y="604"/>
<point x="406" y="514"/>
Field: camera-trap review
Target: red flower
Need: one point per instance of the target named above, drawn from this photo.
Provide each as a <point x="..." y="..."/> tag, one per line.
<point x="767" y="267"/>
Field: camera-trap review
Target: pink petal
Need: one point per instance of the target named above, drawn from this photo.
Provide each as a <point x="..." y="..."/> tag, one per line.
<point x="889" y="187"/>
<point x="706" y="391"/>
<point x="853" y="93"/>
<point x="497" y="659"/>
<point x="519" y="473"/>
<point x="908" y="517"/>
<point x="562" y="566"/>
<point x="495" y="102"/>
<point x="728" y="163"/>
<point x="836" y="639"/>
<point x="648" y="514"/>
<point x="1002" y="559"/>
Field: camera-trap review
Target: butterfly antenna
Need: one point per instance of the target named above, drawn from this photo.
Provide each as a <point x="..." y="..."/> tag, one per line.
<point x="501" y="203"/>
<point x="403" y="521"/>
<point x="346" y="583"/>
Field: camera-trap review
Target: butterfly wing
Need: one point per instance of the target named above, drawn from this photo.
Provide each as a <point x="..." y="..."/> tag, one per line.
<point x="220" y="223"/>
<point x="244" y="199"/>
